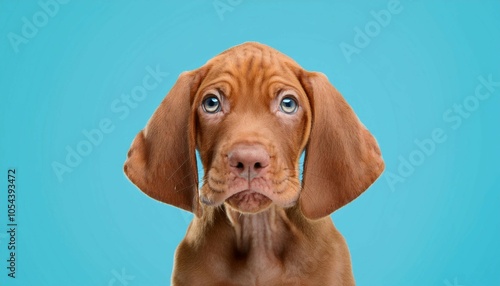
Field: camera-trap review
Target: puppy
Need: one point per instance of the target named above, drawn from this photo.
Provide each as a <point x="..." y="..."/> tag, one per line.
<point x="251" y="112"/>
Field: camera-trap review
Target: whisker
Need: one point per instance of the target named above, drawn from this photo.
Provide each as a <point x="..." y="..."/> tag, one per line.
<point x="178" y="168"/>
<point x="317" y="176"/>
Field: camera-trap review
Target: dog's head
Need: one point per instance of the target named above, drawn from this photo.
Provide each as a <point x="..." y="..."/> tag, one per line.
<point x="251" y="112"/>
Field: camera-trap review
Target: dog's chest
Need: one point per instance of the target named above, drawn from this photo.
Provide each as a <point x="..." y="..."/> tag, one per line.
<point x="261" y="249"/>
<point x="264" y="247"/>
<point x="264" y="269"/>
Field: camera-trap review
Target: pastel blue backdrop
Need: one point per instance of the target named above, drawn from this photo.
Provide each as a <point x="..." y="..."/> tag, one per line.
<point x="435" y="221"/>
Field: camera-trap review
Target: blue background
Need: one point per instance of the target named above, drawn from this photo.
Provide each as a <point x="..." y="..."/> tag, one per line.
<point x="441" y="226"/>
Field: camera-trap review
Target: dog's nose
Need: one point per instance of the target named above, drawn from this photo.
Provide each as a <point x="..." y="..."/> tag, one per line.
<point x="248" y="161"/>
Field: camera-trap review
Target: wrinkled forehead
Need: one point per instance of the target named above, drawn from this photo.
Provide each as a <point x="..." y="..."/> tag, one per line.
<point x="251" y="69"/>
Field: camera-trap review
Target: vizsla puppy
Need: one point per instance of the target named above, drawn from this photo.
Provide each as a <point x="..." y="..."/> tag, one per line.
<point x="251" y="112"/>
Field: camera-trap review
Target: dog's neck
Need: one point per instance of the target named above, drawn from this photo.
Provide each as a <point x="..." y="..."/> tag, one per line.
<point x="264" y="233"/>
<point x="261" y="245"/>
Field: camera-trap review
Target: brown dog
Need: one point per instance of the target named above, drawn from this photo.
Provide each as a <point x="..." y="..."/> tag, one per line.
<point x="251" y="111"/>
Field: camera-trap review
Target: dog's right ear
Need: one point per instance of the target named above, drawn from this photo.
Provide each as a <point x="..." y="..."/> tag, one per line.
<point x="162" y="161"/>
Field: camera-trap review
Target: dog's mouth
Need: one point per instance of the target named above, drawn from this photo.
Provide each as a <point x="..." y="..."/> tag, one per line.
<point x="249" y="196"/>
<point x="248" y="201"/>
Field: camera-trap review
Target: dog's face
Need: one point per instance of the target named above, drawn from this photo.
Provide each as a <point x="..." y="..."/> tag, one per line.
<point x="251" y="111"/>
<point x="251" y="131"/>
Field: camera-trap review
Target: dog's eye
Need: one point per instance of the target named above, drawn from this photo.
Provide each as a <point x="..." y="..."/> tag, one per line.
<point x="288" y="105"/>
<point x="211" y="104"/>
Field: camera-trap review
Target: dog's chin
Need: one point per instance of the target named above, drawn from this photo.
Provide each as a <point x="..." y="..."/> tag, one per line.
<point x="249" y="202"/>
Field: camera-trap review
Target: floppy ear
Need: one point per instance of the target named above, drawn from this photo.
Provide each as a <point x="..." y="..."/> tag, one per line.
<point x="342" y="157"/>
<point x="162" y="161"/>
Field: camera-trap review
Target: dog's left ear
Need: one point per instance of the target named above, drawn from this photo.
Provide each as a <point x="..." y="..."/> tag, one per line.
<point x="342" y="157"/>
<point x="162" y="161"/>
